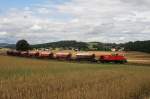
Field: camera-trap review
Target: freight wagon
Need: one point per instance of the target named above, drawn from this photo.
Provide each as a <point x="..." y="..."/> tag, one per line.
<point x="33" y="53"/>
<point x="24" y="53"/>
<point x="13" y="53"/>
<point x="85" y="57"/>
<point x="63" y="56"/>
<point x="9" y="52"/>
<point x="46" y="54"/>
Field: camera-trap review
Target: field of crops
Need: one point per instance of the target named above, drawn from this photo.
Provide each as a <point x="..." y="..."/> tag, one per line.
<point x="22" y="78"/>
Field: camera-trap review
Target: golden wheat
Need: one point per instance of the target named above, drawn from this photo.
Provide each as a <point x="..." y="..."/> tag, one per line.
<point x="22" y="78"/>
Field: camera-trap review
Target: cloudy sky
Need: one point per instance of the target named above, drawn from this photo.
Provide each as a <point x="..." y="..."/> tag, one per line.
<point x="40" y="21"/>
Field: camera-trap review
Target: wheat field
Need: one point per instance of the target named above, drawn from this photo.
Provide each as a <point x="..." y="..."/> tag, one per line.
<point x="22" y="78"/>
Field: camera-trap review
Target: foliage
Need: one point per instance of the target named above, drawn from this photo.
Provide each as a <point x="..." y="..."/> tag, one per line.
<point x="64" y="45"/>
<point x="22" y="45"/>
<point x="142" y="46"/>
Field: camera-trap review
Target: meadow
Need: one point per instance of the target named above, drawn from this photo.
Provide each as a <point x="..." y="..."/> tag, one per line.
<point x="22" y="78"/>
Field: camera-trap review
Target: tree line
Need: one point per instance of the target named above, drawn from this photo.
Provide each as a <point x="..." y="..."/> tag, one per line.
<point x="142" y="46"/>
<point x="64" y="44"/>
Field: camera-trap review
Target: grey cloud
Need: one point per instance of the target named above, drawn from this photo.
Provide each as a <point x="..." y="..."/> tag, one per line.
<point x="84" y="20"/>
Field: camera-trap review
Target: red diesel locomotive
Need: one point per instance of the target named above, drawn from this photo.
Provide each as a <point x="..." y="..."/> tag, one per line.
<point x="112" y="58"/>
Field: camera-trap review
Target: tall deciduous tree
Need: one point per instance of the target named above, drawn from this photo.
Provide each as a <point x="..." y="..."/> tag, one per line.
<point x="22" y="45"/>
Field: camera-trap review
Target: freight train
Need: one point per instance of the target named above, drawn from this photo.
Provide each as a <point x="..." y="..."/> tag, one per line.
<point x="79" y="56"/>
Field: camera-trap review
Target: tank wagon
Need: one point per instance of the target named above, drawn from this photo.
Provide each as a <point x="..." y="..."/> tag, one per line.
<point x="33" y="53"/>
<point x="16" y="53"/>
<point x="85" y="57"/>
<point x="63" y="56"/>
<point x="112" y="58"/>
<point x="9" y="52"/>
<point x="24" y="53"/>
<point x="13" y="53"/>
<point x="46" y="54"/>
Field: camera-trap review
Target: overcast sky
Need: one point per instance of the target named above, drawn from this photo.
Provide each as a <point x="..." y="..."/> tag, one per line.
<point x="40" y="21"/>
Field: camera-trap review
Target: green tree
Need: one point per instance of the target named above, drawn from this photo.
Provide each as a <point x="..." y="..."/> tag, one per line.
<point x="22" y="45"/>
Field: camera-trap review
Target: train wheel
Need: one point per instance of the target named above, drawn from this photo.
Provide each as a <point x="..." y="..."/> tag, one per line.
<point x="102" y="61"/>
<point x="121" y="62"/>
<point x="116" y="62"/>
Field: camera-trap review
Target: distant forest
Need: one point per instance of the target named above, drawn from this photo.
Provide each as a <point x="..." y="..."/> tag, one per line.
<point x="64" y="45"/>
<point x="142" y="46"/>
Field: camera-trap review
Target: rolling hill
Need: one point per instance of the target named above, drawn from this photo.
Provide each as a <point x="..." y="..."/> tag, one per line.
<point x="141" y="46"/>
